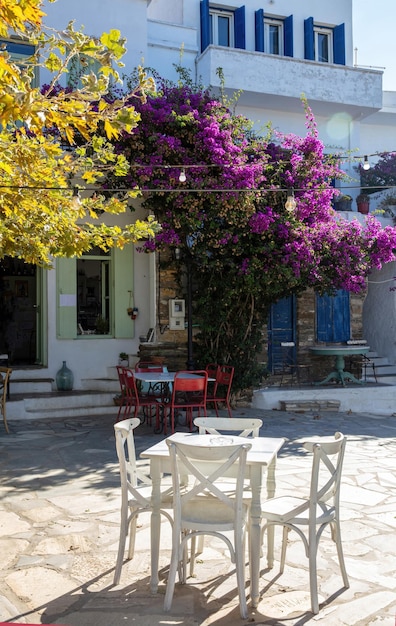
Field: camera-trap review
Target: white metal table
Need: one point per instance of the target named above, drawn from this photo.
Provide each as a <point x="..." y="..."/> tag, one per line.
<point x="261" y="456"/>
<point x="165" y="379"/>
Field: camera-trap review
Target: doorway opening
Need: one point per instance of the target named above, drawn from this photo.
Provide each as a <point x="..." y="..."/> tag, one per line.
<point x="18" y="311"/>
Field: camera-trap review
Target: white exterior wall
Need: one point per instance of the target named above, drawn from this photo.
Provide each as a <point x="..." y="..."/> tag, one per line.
<point x="346" y="101"/>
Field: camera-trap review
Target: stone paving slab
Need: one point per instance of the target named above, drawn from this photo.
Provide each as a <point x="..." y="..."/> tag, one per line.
<point x="59" y="522"/>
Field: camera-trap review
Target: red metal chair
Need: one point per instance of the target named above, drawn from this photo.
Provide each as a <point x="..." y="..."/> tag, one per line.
<point x="211" y="368"/>
<point x="188" y="394"/>
<point x="136" y="400"/>
<point x="222" y="388"/>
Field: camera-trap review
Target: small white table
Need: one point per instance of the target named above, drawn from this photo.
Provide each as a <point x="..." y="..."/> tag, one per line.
<point x="262" y="455"/>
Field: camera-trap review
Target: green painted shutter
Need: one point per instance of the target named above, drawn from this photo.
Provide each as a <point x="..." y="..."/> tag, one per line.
<point x="66" y="294"/>
<point x="124" y="327"/>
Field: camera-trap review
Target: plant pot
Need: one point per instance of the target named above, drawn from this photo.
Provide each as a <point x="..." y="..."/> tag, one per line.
<point x="363" y="207"/>
<point x="343" y="205"/>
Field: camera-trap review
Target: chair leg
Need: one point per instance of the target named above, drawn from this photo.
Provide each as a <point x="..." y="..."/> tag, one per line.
<point x="132" y="537"/>
<point x="121" y="544"/>
<point x="284" y="547"/>
<point x="336" y="532"/>
<point x="173" y="568"/>
<point x="3" y="410"/>
<point x="313" y="581"/>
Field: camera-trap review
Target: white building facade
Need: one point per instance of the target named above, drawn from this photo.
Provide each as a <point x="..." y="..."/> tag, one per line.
<point x="272" y="50"/>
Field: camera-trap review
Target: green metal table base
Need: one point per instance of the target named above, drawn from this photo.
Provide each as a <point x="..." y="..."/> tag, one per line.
<point x="339" y="374"/>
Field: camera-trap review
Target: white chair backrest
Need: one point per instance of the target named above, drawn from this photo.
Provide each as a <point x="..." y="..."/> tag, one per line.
<point x="328" y="457"/>
<point x="205" y="465"/>
<point x="245" y="427"/>
<point x="130" y="474"/>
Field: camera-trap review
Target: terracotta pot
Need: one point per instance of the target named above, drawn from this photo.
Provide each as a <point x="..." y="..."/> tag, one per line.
<point x="363" y="207"/>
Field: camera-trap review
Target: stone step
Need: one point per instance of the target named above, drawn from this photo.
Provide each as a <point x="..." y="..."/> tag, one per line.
<point x="300" y="406"/>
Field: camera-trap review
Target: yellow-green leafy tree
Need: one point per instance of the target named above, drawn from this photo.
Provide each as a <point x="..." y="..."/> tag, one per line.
<point x="52" y="143"/>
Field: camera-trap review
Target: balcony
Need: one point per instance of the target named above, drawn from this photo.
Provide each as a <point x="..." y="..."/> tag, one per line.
<point x="278" y="82"/>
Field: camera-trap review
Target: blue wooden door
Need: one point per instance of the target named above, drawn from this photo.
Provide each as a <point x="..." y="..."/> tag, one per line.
<point x="333" y="317"/>
<point x="281" y="327"/>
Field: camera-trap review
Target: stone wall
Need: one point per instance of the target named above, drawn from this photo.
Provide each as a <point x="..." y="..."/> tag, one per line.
<point x="171" y="345"/>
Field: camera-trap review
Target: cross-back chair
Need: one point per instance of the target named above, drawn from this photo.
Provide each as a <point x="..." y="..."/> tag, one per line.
<point x="5" y="373"/>
<point x="221" y="390"/>
<point x="243" y="426"/>
<point x="135" y="490"/>
<point x="202" y="508"/>
<point x="316" y="510"/>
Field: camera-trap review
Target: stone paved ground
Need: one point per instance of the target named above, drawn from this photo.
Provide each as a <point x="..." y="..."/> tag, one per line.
<point x="59" y="512"/>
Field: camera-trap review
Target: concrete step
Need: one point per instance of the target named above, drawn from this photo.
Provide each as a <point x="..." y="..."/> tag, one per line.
<point x="21" y="386"/>
<point x="101" y="384"/>
<point x="60" y="404"/>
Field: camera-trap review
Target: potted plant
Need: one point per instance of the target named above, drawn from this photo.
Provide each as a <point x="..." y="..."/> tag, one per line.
<point x="388" y="204"/>
<point x="363" y="203"/>
<point x="343" y="202"/>
<point x="123" y="359"/>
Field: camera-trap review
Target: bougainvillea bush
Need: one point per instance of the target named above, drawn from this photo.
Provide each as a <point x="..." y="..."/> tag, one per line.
<point x="245" y="249"/>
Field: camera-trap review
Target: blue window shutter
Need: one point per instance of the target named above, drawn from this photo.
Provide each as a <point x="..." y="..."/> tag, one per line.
<point x="205" y="24"/>
<point x="339" y="44"/>
<point x="259" y="30"/>
<point x="239" y="27"/>
<point x="288" y="38"/>
<point x="333" y="317"/>
<point x="309" y="48"/>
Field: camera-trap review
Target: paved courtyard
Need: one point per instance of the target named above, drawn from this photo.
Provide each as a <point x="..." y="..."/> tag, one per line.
<point x="59" y="513"/>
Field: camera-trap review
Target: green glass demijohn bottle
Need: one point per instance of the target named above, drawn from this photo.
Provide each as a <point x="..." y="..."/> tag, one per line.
<point x="64" y="378"/>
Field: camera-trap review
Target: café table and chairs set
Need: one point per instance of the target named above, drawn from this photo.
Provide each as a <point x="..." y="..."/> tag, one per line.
<point x="217" y="486"/>
<point x="166" y="395"/>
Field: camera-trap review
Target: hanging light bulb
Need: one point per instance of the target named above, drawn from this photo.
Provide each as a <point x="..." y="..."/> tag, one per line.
<point x="366" y="164"/>
<point x="76" y="200"/>
<point x="182" y="176"/>
<point x="290" y="204"/>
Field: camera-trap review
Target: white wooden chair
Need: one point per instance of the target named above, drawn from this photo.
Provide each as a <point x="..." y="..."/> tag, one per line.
<point x="243" y="426"/>
<point x="203" y="508"/>
<point x="319" y="508"/>
<point x="135" y="490"/>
